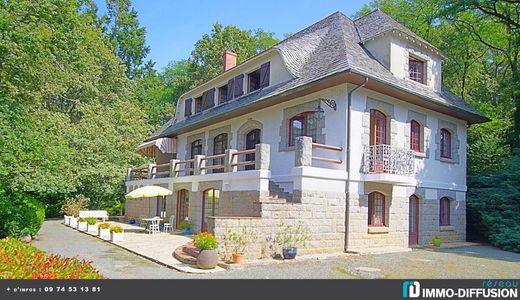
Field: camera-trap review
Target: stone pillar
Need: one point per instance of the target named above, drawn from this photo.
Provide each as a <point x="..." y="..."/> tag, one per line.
<point x="199" y="165"/>
<point x="303" y="151"/>
<point x="230" y="159"/>
<point x="174" y="167"/>
<point x="151" y="167"/>
<point x="129" y="174"/>
<point x="262" y="156"/>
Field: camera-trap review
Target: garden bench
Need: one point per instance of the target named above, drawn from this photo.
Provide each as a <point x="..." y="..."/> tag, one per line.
<point x="98" y="214"/>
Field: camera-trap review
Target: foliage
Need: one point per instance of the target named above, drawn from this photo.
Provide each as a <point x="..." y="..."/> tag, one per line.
<point x="184" y="225"/>
<point x="292" y="236"/>
<point x="25" y="231"/>
<point x="19" y="212"/>
<point x="91" y="220"/>
<point x="23" y="261"/>
<point x="237" y="241"/>
<point x="436" y="241"/>
<point x="105" y="225"/>
<point x="205" y="241"/>
<point x="116" y="229"/>
<point x="73" y="205"/>
<point x="493" y="206"/>
<point x="82" y="220"/>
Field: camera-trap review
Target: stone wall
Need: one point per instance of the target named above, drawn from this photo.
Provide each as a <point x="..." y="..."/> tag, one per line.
<point x="323" y="213"/>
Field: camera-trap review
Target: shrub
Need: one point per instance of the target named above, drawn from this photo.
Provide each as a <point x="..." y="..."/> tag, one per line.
<point x="116" y="229"/>
<point x="292" y="236"/>
<point x="72" y="206"/>
<point x="205" y="241"/>
<point x="104" y="225"/>
<point x="82" y="220"/>
<point x="91" y="220"/>
<point x="19" y="211"/>
<point x="184" y="225"/>
<point x="24" y="261"/>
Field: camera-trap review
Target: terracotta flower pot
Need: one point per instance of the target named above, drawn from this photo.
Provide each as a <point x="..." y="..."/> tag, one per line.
<point x="239" y="258"/>
<point x="207" y="259"/>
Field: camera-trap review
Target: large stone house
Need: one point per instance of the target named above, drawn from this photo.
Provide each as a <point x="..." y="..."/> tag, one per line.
<point x="345" y="126"/>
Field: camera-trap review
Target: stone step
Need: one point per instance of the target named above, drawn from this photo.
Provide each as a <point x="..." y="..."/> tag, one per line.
<point x="277" y="192"/>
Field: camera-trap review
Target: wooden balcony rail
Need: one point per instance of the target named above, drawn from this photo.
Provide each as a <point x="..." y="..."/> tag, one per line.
<point x="216" y="156"/>
<point x="327" y="147"/>
<point x="243" y="163"/>
<point x="243" y="152"/>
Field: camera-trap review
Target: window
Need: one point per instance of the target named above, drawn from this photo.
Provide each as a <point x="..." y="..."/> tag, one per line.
<point x="198" y="104"/>
<point x="444" y="212"/>
<point x="376" y="209"/>
<point x="223" y="94"/>
<point x="416" y="69"/>
<point x="195" y="149"/>
<point x="210" y="204"/>
<point x="303" y="124"/>
<point x="220" y="143"/>
<point x="187" y="107"/>
<point x="253" y="81"/>
<point x="415" y="136"/>
<point x="378" y="128"/>
<point x="252" y="138"/>
<point x="445" y="143"/>
<point x="183" y="204"/>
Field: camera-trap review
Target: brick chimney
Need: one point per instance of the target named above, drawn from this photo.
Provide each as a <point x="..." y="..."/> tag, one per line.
<point x="229" y="60"/>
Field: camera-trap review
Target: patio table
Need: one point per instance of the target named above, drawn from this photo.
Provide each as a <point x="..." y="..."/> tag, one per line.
<point x="148" y="220"/>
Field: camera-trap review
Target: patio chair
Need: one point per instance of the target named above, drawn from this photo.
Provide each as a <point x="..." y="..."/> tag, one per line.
<point x="169" y="225"/>
<point x="154" y="225"/>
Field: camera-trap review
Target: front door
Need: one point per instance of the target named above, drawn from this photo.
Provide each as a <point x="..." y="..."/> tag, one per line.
<point x="183" y="201"/>
<point x="210" y="202"/>
<point x="252" y="138"/>
<point x="413" y="218"/>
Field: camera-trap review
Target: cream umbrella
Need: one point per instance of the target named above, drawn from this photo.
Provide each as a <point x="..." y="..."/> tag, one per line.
<point x="148" y="191"/>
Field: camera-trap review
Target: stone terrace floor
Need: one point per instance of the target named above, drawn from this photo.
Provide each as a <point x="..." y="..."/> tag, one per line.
<point x="462" y="262"/>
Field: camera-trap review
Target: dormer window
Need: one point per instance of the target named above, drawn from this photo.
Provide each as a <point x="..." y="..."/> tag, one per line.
<point x="253" y="81"/>
<point x="223" y="94"/>
<point x="198" y="104"/>
<point x="416" y="69"/>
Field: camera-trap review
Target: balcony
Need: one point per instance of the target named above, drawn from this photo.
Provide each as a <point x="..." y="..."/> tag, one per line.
<point x="387" y="164"/>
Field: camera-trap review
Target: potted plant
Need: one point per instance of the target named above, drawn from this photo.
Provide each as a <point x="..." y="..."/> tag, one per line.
<point x="104" y="230"/>
<point x="92" y="226"/>
<point x="290" y="237"/>
<point x="240" y="241"/>
<point x="117" y="233"/>
<point x="72" y="206"/>
<point x="184" y="226"/>
<point x="25" y="235"/>
<point x="208" y="256"/>
<point x="437" y="241"/>
<point x="82" y="224"/>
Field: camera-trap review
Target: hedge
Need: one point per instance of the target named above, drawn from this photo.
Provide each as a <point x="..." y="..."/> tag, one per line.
<point x="19" y="211"/>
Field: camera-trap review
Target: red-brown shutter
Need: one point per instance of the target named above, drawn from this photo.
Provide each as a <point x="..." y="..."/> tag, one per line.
<point x="208" y="99"/>
<point x="230" y="89"/>
<point x="239" y="85"/>
<point x="187" y="107"/>
<point x="264" y="74"/>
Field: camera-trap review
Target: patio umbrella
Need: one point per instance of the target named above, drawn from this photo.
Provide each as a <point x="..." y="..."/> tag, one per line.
<point x="148" y="192"/>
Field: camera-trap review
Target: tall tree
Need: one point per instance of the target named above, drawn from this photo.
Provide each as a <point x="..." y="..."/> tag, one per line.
<point x="126" y="36"/>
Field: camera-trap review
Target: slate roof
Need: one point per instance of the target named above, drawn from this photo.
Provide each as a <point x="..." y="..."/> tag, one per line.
<point x="330" y="46"/>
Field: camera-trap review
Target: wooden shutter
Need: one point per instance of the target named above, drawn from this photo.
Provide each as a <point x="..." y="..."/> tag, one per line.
<point x="187" y="107"/>
<point x="264" y="74"/>
<point x="230" y="89"/>
<point x="208" y="99"/>
<point x="239" y="85"/>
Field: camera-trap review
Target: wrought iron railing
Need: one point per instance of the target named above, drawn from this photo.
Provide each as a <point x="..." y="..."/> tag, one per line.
<point x="388" y="159"/>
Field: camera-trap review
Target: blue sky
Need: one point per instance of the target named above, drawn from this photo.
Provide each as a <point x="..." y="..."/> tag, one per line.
<point x="174" y="26"/>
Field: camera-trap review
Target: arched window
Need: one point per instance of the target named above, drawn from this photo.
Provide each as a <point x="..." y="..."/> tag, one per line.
<point x="195" y="149"/>
<point x="220" y="144"/>
<point x="444" y="212"/>
<point x="304" y="124"/>
<point x="252" y="138"/>
<point x="376" y="209"/>
<point x="378" y="128"/>
<point x="445" y="143"/>
<point x="415" y="136"/>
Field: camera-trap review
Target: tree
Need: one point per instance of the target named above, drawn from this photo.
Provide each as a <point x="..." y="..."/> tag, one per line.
<point x="126" y="36"/>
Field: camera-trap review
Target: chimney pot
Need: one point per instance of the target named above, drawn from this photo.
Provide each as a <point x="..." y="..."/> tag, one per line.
<point x="229" y="60"/>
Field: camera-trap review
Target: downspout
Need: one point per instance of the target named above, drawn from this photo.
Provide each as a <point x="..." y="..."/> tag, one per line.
<point x="349" y="135"/>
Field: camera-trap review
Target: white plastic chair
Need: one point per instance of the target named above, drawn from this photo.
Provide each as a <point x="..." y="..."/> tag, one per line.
<point x="169" y="225"/>
<point x="154" y="225"/>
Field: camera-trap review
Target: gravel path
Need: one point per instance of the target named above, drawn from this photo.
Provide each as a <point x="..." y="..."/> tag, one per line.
<point x="463" y="262"/>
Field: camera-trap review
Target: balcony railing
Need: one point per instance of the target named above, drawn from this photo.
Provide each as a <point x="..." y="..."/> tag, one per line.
<point x="227" y="162"/>
<point x="388" y="159"/>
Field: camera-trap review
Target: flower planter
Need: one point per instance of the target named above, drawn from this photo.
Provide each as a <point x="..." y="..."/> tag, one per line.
<point x="289" y="253"/>
<point x="66" y="219"/>
<point x="104" y="233"/>
<point x="186" y="231"/>
<point x="82" y="226"/>
<point x="73" y="222"/>
<point x="238" y="258"/>
<point x="118" y="236"/>
<point x="92" y="228"/>
<point x="207" y="259"/>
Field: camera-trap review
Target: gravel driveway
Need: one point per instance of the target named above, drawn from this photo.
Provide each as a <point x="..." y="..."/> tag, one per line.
<point x="464" y="262"/>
